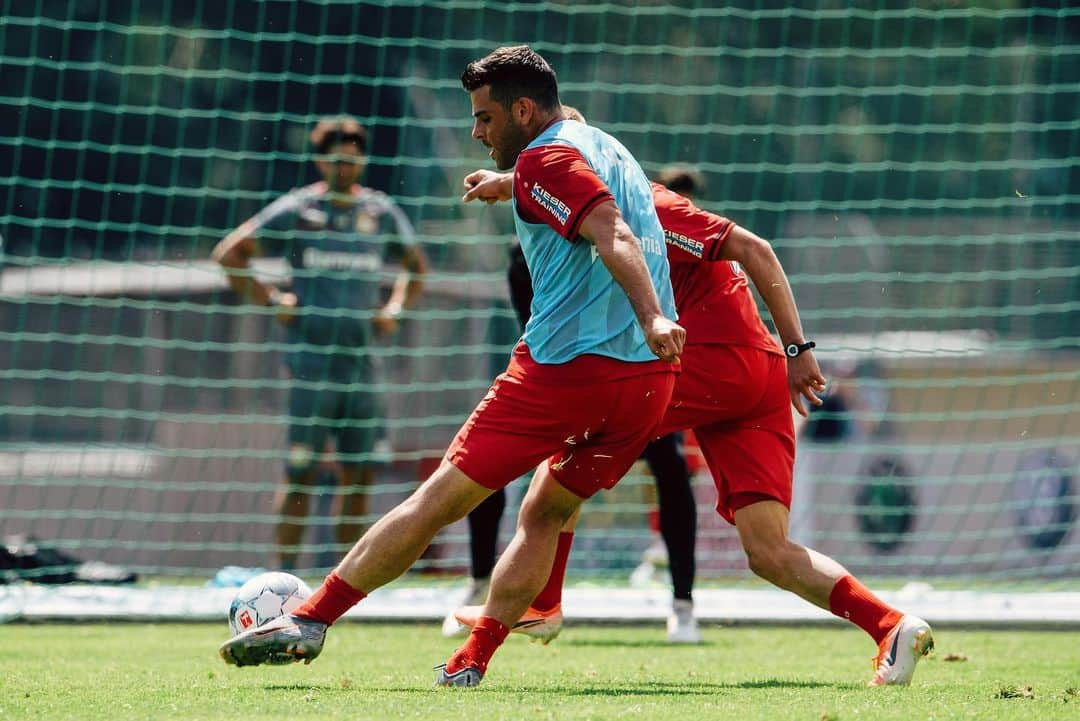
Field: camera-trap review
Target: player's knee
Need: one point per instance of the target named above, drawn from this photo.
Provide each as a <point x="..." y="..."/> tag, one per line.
<point x="773" y="559"/>
<point x="764" y="559"/>
<point x="355" y="477"/>
<point x="540" y="513"/>
<point x="292" y="505"/>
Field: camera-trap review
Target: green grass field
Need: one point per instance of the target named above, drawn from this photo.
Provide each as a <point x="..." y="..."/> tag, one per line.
<point x="170" y="671"/>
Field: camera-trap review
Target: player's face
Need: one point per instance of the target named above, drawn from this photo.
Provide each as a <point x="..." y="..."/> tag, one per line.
<point x="342" y="166"/>
<point x="496" y="128"/>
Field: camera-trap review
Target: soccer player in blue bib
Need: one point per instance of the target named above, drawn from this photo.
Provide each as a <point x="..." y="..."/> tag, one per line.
<point x="585" y="388"/>
<point x="342" y="241"/>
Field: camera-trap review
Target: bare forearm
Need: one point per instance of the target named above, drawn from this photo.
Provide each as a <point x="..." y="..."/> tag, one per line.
<point x="234" y="255"/>
<point x="764" y="270"/>
<point x="759" y="261"/>
<point x="488" y="186"/>
<point x="250" y="288"/>
<point x="409" y="284"/>
<point x="624" y="260"/>
<point x="621" y="254"/>
<point x="405" y="293"/>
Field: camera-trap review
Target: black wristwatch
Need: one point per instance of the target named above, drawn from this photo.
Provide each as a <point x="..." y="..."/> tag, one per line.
<point x="792" y="350"/>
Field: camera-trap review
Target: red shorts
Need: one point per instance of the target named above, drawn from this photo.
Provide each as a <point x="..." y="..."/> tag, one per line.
<point x="590" y="418"/>
<point x="735" y="398"/>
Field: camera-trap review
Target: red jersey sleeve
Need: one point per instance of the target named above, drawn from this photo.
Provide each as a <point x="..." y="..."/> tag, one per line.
<point x="692" y="234"/>
<point x="556" y="186"/>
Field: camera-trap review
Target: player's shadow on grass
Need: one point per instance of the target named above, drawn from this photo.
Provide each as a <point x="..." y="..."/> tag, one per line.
<point x="684" y="688"/>
<point x="643" y="688"/>
<point x="769" y="683"/>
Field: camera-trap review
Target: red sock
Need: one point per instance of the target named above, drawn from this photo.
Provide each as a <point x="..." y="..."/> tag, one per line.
<point x="851" y="600"/>
<point x="332" y="599"/>
<point x="654" y="520"/>
<point x="486" y="637"/>
<point x="551" y="595"/>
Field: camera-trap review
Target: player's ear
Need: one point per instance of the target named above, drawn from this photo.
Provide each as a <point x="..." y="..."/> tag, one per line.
<point x="523" y="110"/>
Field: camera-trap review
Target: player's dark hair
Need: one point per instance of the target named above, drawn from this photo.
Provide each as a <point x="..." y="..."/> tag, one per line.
<point x="514" y="72"/>
<point x="329" y="132"/>
<point x="682" y="179"/>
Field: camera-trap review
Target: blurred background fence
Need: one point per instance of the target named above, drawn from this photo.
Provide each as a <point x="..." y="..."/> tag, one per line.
<point x="915" y="164"/>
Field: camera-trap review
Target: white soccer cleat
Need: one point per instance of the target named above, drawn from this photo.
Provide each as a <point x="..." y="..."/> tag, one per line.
<point x="475" y="595"/>
<point x="287" y="639"/>
<point x="451" y="627"/>
<point x="682" y="627"/>
<point x="642" y="576"/>
<point x="656" y="554"/>
<point x="907" y="642"/>
<point x="653" y="559"/>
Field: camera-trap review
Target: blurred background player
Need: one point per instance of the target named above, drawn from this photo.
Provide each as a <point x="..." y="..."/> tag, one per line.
<point x="674" y="523"/>
<point x="735" y="392"/>
<point x="342" y="242"/>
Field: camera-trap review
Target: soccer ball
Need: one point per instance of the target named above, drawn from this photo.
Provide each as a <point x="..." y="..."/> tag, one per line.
<point x="264" y="598"/>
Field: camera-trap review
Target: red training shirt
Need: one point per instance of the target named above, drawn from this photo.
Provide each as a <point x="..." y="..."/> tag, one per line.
<point x="712" y="295"/>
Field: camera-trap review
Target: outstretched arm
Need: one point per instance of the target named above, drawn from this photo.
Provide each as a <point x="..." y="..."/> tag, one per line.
<point x="757" y="258"/>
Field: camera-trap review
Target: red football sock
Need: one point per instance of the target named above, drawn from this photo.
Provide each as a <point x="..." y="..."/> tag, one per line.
<point x="332" y="599"/>
<point x="851" y="600"/>
<point x="486" y="637"/>
<point x="654" y="520"/>
<point x="551" y="595"/>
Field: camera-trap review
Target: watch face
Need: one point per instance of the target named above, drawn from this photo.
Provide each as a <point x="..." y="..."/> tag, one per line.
<point x="792" y="350"/>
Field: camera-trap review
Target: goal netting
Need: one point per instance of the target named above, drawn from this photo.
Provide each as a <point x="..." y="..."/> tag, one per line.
<point x="914" y="164"/>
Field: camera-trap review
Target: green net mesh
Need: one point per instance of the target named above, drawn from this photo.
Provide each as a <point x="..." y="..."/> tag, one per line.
<point x="915" y="165"/>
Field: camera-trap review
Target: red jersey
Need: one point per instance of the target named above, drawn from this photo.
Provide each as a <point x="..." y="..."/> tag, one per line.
<point x="712" y="295"/>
